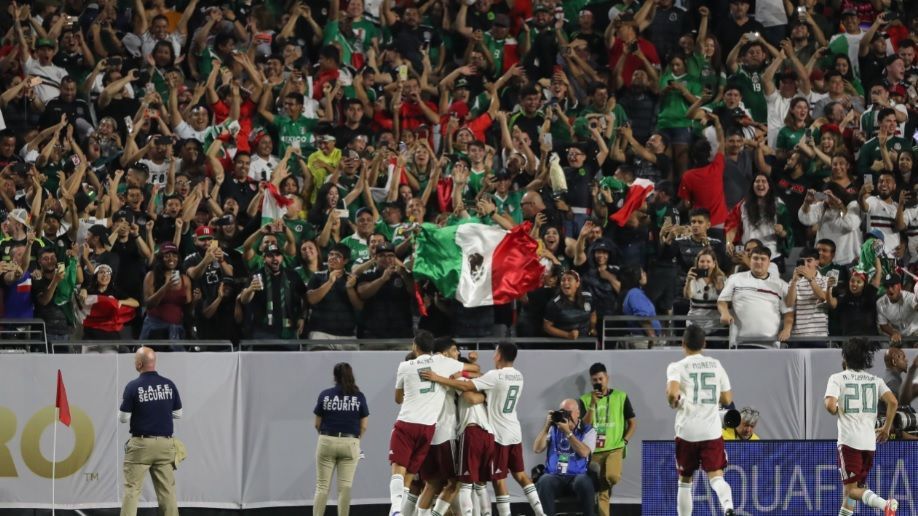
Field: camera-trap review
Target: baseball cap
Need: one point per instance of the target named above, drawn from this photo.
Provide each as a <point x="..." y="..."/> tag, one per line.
<point x="124" y="215"/>
<point x="203" y="232"/>
<point x="876" y="233"/>
<point x="461" y="83"/>
<point x="19" y="215"/>
<point x="385" y="247"/>
<point x="272" y="249"/>
<point x="363" y="210"/>
<point x="540" y="7"/>
<point x="502" y="174"/>
<point x="892" y="279"/>
<point x="44" y="42"/>
<point x="167" y="247"/>
<point x="849" y="12"/>
<point x="326" y="138"/>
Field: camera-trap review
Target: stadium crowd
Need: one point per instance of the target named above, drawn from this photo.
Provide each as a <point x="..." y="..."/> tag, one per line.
<point x="150" y="148"/>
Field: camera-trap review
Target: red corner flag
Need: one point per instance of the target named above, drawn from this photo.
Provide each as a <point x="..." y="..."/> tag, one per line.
<point x="61" y="402"/>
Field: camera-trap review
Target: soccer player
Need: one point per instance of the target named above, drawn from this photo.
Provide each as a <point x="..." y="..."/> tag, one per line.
<point x="421" y="402"/>
<point x="439" y="468"/>
<point x="476" y="454"/>
<point x="503" y="386"/>
<point x="859" y="392"/>
<point x="695" y="386"/>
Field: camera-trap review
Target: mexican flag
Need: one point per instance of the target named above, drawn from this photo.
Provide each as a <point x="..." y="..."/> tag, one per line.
<point x="103" y="312"/>
<point x="274" y="205"/>
<point x="638" y="192"/>
<point x="478" y="264"/>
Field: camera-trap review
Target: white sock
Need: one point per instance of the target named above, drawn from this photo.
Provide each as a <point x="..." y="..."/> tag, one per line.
<point x="684" y="499"/>
<point x="722" y="488"/>
<point x="466" y="507"/>
<point x="483" y="505"/>
<point x="396" y="493"/>
<point x="409" y="504"/>
<point x="503" y="505"/>
<point x="533" y="496"/>
<point x="425" y="512"/>
<point x="441" y="507"/>
<point x="871" y="499"/>
<point x="845" y="512"/>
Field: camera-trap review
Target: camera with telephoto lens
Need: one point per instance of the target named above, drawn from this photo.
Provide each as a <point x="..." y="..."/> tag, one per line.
<point x="906" y="422"/>
<point x="560" y="416"/>
<point x="597" y="387"/>
<point x="730" y="418"/>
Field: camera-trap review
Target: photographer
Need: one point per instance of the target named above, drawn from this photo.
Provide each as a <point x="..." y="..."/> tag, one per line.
<point x="745" y="431"/>
<point x="610" y="412"/>
<point x="569" y="442"/>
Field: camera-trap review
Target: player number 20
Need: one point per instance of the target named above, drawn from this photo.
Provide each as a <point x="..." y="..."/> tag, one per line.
<point x="702" y="383"/>
<point x="866" y="393"/>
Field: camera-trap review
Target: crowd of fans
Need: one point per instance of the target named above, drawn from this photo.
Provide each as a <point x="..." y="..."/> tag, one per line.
<point x="145" y="142"/>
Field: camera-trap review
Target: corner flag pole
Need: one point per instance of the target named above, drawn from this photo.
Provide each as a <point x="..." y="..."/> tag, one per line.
<point x="57" y="414"/>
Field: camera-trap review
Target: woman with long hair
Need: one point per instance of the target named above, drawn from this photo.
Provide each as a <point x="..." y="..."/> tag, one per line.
<point x="706" y="63"/>
<point x="166" y="293"/>
<point x="101" y="309"/>
<point x="795" y="127"/>
<point x="635" y="302"/>
<point x="836" y="217"/>
<point x="703" y="284"/>
<point x="342" y="415"/>
<point x="570" y="314"/>
<point x="763" y="216"/>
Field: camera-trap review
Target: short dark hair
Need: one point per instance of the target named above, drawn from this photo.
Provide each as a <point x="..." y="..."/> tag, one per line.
<point x="441" y="344"/>
<point x="827" y="241"/>
<point x="508" y="351"/>
<point x="424" y="340"/>
<point x="809" y="252"/>
<point x="885" y="112"/>
<point x="761" y="250"/>
<point x="694" y="338"/>
<point x="296" y="97"/>
<point x="700" y="212"/>
<point x="598" y="367"/>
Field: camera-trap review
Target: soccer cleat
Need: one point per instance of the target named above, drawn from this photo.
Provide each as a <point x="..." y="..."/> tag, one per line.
<point x="729" y="512"/>
<point x="891" y="507"/>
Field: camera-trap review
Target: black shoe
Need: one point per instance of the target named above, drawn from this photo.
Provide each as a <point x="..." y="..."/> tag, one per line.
<point x="729" y="512"/>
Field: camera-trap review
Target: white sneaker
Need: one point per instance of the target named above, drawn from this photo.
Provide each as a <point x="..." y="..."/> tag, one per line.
<point x="891" y="507"/>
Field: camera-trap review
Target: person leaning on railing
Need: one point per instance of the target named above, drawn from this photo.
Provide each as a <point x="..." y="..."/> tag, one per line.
<point x="853" y="306"/>
<point x="570" y="314"/>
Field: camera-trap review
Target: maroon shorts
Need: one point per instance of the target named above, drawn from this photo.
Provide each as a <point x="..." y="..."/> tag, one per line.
<point x="710" y="455"/>
<point x="440" y="463"/>
<point x="408" y="445"/>
<point x="853" y="464"/>
<point x="507" y="459"/>
<point x="476" y="455"/>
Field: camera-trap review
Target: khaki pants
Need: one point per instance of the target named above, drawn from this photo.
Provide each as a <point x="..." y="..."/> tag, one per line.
<point x="610" y="472"/>
<point x="158" y="455"/>
<point x="333" y="453"/>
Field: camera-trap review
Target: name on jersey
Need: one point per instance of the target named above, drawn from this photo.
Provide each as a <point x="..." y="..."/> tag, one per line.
<point x="344" y="403"/>
<point x="858" y="377"/>
<point x="158" y="393"/>
<point x="704" y="365"/>
<point x="512" y="377"/>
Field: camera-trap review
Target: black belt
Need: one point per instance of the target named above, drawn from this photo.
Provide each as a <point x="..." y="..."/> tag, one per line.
<point x="152" y="436"/>
<point x="338" y="434"/>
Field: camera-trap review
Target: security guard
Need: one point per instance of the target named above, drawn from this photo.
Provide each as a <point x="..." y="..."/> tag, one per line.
<point x="610" y="412"/>
<point x="150" y="403"/>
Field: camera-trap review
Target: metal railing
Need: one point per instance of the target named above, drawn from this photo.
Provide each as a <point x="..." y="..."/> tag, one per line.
<point x="23" y="336"/>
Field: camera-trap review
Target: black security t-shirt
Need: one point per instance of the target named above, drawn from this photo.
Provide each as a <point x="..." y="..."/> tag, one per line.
<point x="341" y="412"/>
<point x="151" y="400"/>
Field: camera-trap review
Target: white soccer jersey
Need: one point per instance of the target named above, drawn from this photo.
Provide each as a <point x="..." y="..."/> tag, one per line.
<point x="503" y="387"/>
<point x="858" y="393"/>
<point x="882" y="215"/>
<point x="757" y="304"/>
<point x="476" y="414"/>
<point x="423" y="400"/>
<point x="701" y="381"/>
<point x="446" y="423"/>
